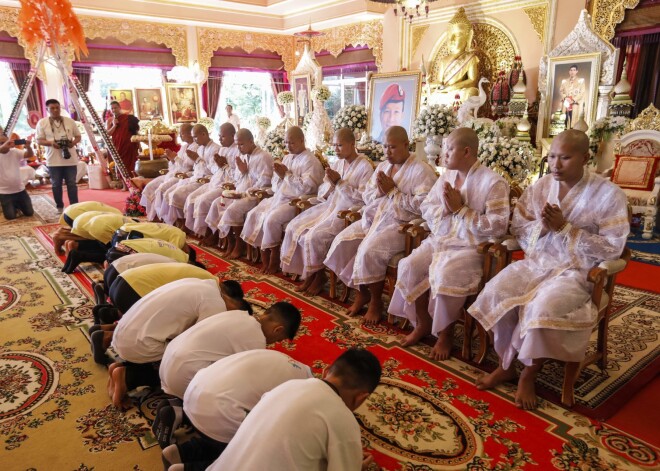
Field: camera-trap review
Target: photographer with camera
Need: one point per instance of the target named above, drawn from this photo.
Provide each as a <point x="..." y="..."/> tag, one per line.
<point x="60" y="134"/>
<point x="13" y="195"/>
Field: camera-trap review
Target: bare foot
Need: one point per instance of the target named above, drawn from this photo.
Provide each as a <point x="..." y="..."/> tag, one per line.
<point x="274" y="261"/>
<point x="230" y="243"/>
<point x="318" y="283"/>
<point x="210" y="240"/>
<point x="374" y="313"/>
<point x="497" y="377"/>
<point x="119" y="378"/>
<point x="526" y="393"/>
<point x="441" y="351"/>
<point x="361" y="300"/>
<point x="237" y="251"/>
<point x="306" y="284"/>
<point x="111" y="383"/>
<point x="265" y="260"/>
<point x="419" y="332"/>
<point x="70" y="245"/>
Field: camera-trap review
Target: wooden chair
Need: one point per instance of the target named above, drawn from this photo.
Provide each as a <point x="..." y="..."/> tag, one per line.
<point x="603" y="277"/>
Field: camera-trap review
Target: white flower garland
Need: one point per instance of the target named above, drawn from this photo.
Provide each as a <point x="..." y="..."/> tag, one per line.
<point x="285" y="98"/>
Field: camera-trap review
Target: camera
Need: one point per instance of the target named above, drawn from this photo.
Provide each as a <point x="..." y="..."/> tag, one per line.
<point x="20" y="142"/>
<point x="64" y="145"/>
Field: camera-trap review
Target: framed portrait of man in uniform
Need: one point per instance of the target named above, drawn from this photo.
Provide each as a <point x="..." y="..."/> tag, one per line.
<point x="393" y="100"/>
<point x="573" y="88"/>
<point x="302" y="100"/>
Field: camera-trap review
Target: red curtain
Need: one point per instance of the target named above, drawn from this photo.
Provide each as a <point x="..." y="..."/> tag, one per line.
<point x="642" y="54"/>
<point x="20" y="71"/>
<point x="280" y="84"/>
<point x="211" y="92"/>
<point x="84" y="75"/>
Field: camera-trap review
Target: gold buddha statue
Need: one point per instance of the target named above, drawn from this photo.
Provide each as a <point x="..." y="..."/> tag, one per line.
<point x="458" y="71"/>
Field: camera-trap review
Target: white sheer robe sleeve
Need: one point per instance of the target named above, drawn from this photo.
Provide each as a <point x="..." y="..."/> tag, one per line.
<point x="407" y="204"/>
<point x="354" y="192"/>
<point x="494" y="222"/>
<point x="308" y="180"/>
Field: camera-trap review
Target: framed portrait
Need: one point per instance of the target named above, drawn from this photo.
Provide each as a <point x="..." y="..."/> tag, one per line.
<point x="302" y="100"/>
<point x="393" y="100"/>
<point x="572" y="88"/>
<point x="149" y="103"/>
<point x="183" y="102"/>
<point x="125" y="99"/>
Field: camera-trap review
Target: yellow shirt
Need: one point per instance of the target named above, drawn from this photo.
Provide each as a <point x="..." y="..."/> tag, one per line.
<point x="157" y="230"/>
<point x="81" y="223"/>
<point x="103" y="226"/>
<point x="75" y="210"/>
<point x="147" y="278"/>
<point x="156" y="246"/>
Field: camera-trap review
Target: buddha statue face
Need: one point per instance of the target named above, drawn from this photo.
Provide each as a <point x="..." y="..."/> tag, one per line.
<point x="459" y="38"/>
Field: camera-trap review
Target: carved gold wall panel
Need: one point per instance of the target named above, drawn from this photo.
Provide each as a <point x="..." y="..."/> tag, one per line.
<point x="367" y="33"/>
<point x="418" y="32"/>
<point x="538" y="16"/>
<point x="210" y="40"/>
<point x="496" y="51"/>
<point x="128" y="31"/>
<point x="9" y="23"/>
<point x="606" y="14"/>
<point x="647" y="120"/>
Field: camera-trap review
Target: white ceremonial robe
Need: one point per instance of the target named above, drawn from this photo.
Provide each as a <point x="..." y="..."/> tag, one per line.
<point x="447" y="261"/>
<point x="541" y="307"/>
<point x="205" y="166"/>
<point x="199" y="201"/>
<point x="218" y="398"/>
<point x="302" y="424"/>
<point x="360" y="253"/>
<point x="228" y="212"/>
<point x="265" y="223"/>
<point x="152" y="194"/>
<point x="308" y="236"/>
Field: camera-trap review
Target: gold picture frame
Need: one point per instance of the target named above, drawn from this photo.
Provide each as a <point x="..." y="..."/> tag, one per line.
<point x="182" y="103"/>
<point x="572" y="88"/>
<point x="124" y="96"/>
<point x="149" y="103"/>
<point x="302" y="100"/>
<point x="399" y="107"/>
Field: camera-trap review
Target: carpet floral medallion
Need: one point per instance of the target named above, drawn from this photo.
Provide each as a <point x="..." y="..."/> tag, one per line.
<point x="424" y="416"/>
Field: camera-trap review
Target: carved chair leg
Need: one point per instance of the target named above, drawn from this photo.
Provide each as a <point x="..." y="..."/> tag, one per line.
<point x="571" y="374"/>
<point x="333" y="284"/>
<point x="345" y="295"/>
<point x="484" y="343"/>
<point x="601" y="343"/>
<point x="468" y="328"/>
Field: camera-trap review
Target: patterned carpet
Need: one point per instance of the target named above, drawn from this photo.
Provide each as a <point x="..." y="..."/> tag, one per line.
<point x="54" y="412"/>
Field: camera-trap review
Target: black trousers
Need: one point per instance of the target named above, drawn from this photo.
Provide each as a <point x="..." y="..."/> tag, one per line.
<point x="12" y="202"/>
<point x="109" y="276"/>
<point x="198" y="453"/>
<point x="122" y="295"/>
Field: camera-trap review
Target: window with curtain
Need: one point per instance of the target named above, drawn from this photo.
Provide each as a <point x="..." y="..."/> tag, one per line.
<point x="251" y="96"/>
<point x="348" y="86"/>
<point x="8" y="99"/>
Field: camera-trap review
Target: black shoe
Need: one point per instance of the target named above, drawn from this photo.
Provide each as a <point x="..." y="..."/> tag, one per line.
<point x="72" y="261"/>
<point x="108" y="315"/>
<point x="95" y="312"/>
<point x="167" y="420"/>
<point x="99" y="292"/>
<point x="97" y="348"/>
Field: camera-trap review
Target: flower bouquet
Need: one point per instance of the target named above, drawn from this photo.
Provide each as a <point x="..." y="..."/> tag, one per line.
<point x="508" y="126"/>
<point x="353" y="117"/>
<point x="602" y="129"/>
<point x="285" y="98"/>
<point x="263" y="122"/>
<point x="513" y="159"/>
<point x="434" y="120"/>
<point x="208" y="123"/>
<point x="485" y="128"/>
<point x="133" y="207"/>
<point x="274" y="144"/>
<point x="373" y="150"/>
<point x="321" y="93"/>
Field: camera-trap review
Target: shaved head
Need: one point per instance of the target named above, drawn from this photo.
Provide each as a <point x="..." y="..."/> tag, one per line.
<point x="345" y="135"/>
<point x="244" y="134"/>
<point x="185" y="132"/>
<point x="295" y="140"/>
<point x="397" y="134"/>
<point x="466" y="137"/>
<point x="200" y="134"/>
<point x="578" y="140"/>
<point x="186" y="127"/>
<point x="227" y="131"/>
<point x="200" y="129"/>
<point x="296" y="133"/>
<point x="227" y="128"/>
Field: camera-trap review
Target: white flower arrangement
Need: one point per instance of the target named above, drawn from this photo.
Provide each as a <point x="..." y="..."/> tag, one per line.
<point x="274" y="144"/>
<point x="353" y="117"/>
<point x="321" y="93"/>
<point x="208" y="123"/>
<point x="485" y="128"/>
<point x="434" y="120"/>
<point x="285" y="98"/>
<point x="263" y="122"/>
<point x="373" y="150"/>
<point x="513" y="159"/>
<point x="604" y="128"/>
